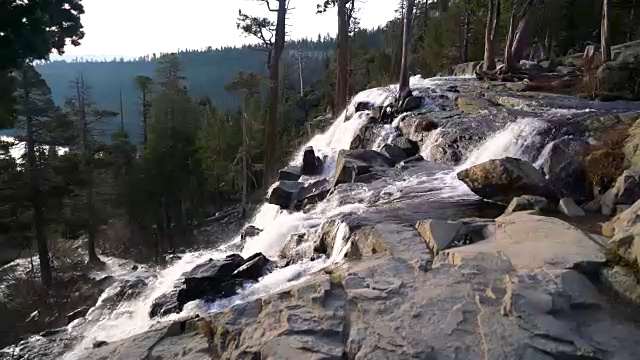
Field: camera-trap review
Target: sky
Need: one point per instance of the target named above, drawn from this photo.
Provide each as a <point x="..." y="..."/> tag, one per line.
<point x="131" y="28"/>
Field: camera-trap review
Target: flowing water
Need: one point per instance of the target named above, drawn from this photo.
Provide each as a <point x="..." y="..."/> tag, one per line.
<point x="438" y="184"/>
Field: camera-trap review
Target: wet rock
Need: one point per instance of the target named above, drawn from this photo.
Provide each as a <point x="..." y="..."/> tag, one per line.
<point x="565" y="170"/>
<point x="366" y="137"/>
<point x="416" y="128"/>
<point x="250" y="231"/>
<point x="501" y="180"/>
<point x="438" y="234"/>
<point x="411" y="103"/>
<point x="311" y="194"/>
<point x="211" y="280"/>
<point x="406" y="163"/>
<point x="290" y="173"/>
<point x="295" y="249"/>
<point x="395" y="153"/>
<point x="619" y="77"/>
<point x="364" y="106"/>
<point x="348" y="169"/>
<point x="98" y="344"/>
<point x="472" y="104"/>
<point x="128" y="290"/>
<point x="370" y="157"/>
<point x="466" y="69"/>
<point x="568" y="207"/>
<point x="311" y="164"/>
<point x="410" y="147"/>
<point x="135" y="268"/>
<point x="283" y="193"/>
<point x="77" y="314"/>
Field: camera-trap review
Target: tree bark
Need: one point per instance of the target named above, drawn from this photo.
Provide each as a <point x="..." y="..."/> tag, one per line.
<point x="37" y="202"/>
<point x="632" y="19"/>
<point x="491" y="34"/>
<point x="271" y="128"/>
<point x="406" y="47"/>
<point x="342" y="74"/>
<point x="464" y="53"/>
<point x="522" y="35"/>
<point x="605" y="35"/>
<point x="509" y="61"/>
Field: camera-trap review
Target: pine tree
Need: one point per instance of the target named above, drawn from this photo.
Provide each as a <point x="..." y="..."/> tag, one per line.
<point x="144" y="84"/>
<point x="34" y="107"/>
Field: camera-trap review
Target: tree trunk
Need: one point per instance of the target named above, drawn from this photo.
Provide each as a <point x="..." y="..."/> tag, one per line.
<point x="522" y="35"/>
<point x="464" y="53"/>
<point x="145" y="117"/>
<point x="406" y="47"/>
<point x="245" y="152"/>
<point x="271" y="128"/>
<point x="632" y="19"/>
<point x="509" y="61"/>
<point x="36" y="193"/>
<point x="491" y="34"/>
<point x="605" y="35"/>
<point x="342" y="75"/>
<point x="548" y="45"/>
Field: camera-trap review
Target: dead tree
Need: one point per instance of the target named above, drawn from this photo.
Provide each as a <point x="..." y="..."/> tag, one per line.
<point x="406" y="47"/>
<point x="605" y="31"/>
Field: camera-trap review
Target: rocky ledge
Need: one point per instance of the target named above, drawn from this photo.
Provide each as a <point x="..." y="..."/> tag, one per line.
<point x="525" y="288"/>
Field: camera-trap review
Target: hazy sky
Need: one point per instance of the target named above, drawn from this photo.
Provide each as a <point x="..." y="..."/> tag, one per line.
<point x="139" y="27"/>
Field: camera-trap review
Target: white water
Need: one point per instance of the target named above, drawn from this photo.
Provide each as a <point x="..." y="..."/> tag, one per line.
<point x="131" y="317"/>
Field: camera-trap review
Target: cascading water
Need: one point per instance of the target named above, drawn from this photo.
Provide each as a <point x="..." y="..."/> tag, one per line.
<point x="111" y="322"/>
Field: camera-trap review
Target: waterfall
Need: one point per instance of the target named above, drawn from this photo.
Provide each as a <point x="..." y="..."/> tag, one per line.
<point x="517" y="139"/>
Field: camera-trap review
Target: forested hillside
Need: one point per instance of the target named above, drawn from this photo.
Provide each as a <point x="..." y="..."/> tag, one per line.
<point x="206" y="73"/>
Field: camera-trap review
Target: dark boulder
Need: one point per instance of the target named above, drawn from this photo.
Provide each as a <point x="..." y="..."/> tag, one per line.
<point x="311" y="194"/>
<point x="128" y="290"/>
<point x="416" y="128"/>
<point x="283" y="192"/>
<point x="366" y="136"/>
<point x="409" y="161"/>
<point x="311" y="164"/>
<point x="211" y="280"/>
<point x="290" y="173"/>
<point x="370" y="157"/>
<point x="564" y="168"/>
<point x="348" y="169"/>
<point x="410" y="147"/>
<point x="395" y="153"/>
<point x="364" y="106"/>
<point x="250" y="231"/>
<point x="77" y="314"/>
<point x="411" y="103"/>
<point x="501" y="180"/>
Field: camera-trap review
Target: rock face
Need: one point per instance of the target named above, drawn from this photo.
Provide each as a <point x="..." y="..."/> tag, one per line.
<point x="411" y="103"/>
<point x="395" y="153"/>
<point x="290" y="173"/>
<point x="501" y="180"/>
<point x="353" y="165"/>
<point x="515" y="295"/>
<point x="410" y="147"/>
<point x="211" y="280"/>
<point x="625" y="232"/>
<point x="564" y="168"/>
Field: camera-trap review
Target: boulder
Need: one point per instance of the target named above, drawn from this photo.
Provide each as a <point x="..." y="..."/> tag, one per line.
<point x="411" y="103"/>
<point x="564" y="168"/>
<point x="77" y="314"/>
<point x="608" y="202"/>
<point x="364" y="106"/>
<point x="466" y="69"/>
<point x="623" y="281"/>
<point x="410" y="147"/>
<point x="366" y="137"/>
<point x="283" y="193"/>
<point x="290" y="173"/>
<point x="370" y="157"/>
<point x="250" y="231"/>
<point x="438" y="234"/>
<point x="501" y="180"/>
<point x="348" y="169"/>
<point x="619" y="77"/>
<point x="628" y="188"/>
<point x="625" y="229"/>
<point x="311" y="193"/>
<point x="416" y="128"/>
<point x="406" y="163"/>
<point x="568" y="207"/>
<point x="311" y="164"/>
<point x="395" y="153"/>
<point x="211" y="280"/>
<point x="525" y="203"/>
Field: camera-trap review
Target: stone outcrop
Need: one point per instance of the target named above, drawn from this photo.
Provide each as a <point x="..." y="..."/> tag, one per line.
<point x="569" y="208"/>
<point x="311" y="164"/>
<point x="501" y="180"/>
<point x="527" y="202"/>
<point x="625" y="232"/>
<point x="516" y="295"/>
